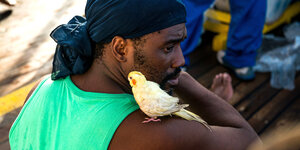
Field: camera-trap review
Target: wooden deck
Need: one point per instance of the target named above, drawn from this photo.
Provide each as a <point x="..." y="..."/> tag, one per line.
<point x="264" y="107"/>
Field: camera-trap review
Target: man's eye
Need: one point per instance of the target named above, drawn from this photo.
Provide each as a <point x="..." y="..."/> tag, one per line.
<point x="169" y="49"/>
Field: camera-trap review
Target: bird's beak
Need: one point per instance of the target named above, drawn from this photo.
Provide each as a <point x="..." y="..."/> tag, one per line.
<point x="130" y="82"/>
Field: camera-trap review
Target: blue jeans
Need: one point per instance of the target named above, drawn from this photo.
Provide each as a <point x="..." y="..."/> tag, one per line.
<point x="244" y="35"/>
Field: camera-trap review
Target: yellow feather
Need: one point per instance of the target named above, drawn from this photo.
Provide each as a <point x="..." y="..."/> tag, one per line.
<point x="191" y="116"/>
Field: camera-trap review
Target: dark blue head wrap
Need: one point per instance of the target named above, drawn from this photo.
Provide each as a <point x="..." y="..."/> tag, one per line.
<point x="106" y="19"/>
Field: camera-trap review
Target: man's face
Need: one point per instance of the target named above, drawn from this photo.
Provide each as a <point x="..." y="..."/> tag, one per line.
<point x="158" y="55"/>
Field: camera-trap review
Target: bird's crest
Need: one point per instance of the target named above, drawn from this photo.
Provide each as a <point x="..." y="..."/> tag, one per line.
<point x="135" y="78"/>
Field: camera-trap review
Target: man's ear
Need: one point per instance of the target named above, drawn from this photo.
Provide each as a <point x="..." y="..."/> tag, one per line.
<point x="119" y="48"/>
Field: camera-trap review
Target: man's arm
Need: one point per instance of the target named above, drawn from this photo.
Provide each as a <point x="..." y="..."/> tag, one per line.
<point x="227" y="124"/>
<point x="230" y="130"/>
<point x="208" y="105"/>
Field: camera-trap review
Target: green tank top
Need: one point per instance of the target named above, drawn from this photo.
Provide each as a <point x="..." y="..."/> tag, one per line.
<point x="59" y="115"/>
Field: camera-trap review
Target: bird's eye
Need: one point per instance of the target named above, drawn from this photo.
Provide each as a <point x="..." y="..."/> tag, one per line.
<point x="130" y="77"/>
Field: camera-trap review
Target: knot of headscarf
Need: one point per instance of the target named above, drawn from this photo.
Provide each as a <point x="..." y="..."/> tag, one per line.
<point x="106" y="19"/>
<point x="74" y="51"/>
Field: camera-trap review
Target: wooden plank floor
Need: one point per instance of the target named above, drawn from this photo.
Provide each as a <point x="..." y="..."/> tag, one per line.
<point x="265" y="108"/>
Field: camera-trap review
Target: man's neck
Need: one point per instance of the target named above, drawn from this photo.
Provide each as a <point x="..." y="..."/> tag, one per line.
<point x="101" y="80"/>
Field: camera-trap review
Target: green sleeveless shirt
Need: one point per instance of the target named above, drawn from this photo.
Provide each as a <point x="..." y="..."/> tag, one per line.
<point x="58" y="115"/>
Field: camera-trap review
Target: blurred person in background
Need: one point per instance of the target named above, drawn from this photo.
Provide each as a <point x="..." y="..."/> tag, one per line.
<point x="244" y="36"/>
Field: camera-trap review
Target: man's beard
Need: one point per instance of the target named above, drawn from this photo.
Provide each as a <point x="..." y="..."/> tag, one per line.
<point x="168" y="77"/>
<point x="152" y="73"/>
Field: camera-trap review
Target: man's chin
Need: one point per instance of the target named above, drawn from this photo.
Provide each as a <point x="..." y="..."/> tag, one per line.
<point x="167" y="87"/>
<point x="173" y="82"/>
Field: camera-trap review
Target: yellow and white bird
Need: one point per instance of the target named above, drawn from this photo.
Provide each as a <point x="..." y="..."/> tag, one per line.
<point x="155" y="102"/>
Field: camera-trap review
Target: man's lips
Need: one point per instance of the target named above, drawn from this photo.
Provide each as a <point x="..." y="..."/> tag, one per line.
<point x="171" y="79"/>
<point x="175" y="77"/>
<point x="174" y="80"/>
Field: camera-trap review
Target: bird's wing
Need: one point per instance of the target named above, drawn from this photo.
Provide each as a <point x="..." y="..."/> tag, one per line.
<point x="157" y="102"/>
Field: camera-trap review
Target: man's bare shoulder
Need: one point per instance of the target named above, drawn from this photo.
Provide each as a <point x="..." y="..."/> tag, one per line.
<point x="170" y="133"/>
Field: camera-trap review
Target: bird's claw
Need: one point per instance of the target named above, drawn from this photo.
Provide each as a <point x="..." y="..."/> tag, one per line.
<point x="151" y="119"/>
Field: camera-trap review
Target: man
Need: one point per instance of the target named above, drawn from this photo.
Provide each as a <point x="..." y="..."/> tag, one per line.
<point x="88" y="104"/>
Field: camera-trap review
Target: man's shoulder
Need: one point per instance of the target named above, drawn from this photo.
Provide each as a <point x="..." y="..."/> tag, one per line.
<point x="38" y="82"/>
<point x="170" y="133"/>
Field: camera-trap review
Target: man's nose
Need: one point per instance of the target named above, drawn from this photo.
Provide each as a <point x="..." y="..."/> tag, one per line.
<point x="178" y="58"/>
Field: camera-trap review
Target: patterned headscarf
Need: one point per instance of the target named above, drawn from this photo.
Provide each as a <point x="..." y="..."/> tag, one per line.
<point x="104" y="20"/>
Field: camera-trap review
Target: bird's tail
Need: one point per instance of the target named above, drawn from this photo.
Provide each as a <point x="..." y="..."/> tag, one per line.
<point x="191" y="116"/>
